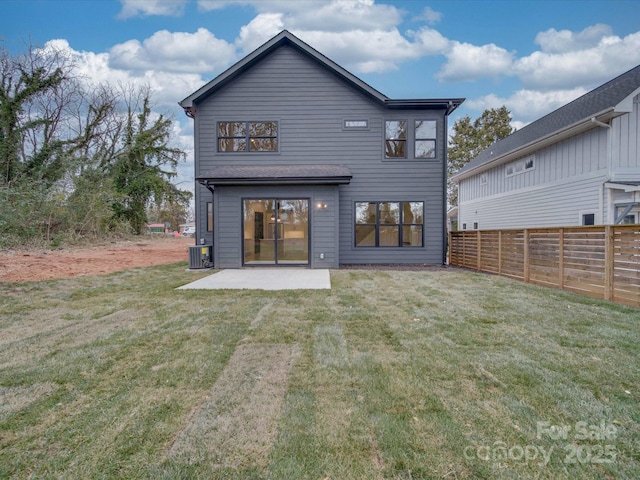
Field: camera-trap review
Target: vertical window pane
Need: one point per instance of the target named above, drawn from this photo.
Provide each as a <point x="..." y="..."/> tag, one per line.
<point x="390" y="213"/>
<point x="396" y="130"/>
<point x="209" y="217"/>
<point x="395" y="138"/>
<point x="365" y="212"/>
<point x="412" y="212"/>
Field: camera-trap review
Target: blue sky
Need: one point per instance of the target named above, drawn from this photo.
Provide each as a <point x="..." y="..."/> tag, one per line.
<point x="532" y="56"/>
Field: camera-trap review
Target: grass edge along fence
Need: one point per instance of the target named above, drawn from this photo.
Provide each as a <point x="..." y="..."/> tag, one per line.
<point x="600" y="261"/>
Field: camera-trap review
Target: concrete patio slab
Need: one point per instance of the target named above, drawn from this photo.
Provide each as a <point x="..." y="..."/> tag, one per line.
<point x="264" y="279"/>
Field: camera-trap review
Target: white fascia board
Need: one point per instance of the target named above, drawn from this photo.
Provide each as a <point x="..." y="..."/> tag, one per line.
<point x="622" y="186"/>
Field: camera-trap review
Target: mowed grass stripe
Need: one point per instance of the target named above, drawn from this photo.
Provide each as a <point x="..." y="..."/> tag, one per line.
<point x="236" y="426"/>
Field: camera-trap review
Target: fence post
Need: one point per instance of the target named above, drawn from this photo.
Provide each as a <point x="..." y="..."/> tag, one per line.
<point x="608" y="262"/>
<point x="561" y="259"/>
<point x="499" y="252"/>
<point x="464" y="249"/>
<point x="525" y="274"/>
<point x="479" y="250"/>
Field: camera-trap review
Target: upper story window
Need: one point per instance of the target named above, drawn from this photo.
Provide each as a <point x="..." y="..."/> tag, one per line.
<point x="520" y="166"/>
<point x="247" y="136"/>
<point x="425" y="139"/>
<point x="395" y="139"/>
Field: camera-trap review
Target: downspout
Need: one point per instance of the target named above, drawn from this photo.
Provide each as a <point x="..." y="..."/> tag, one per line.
<point x="445" y="226"/>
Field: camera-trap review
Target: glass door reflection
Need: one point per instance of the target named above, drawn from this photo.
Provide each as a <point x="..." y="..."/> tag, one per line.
<point x="276" y="231"/>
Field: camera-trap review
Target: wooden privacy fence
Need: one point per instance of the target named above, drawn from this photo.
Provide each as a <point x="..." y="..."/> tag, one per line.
<point x="600" y="261"/>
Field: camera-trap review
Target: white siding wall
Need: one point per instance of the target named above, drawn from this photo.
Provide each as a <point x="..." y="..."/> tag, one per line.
<point x="566" y="180"/>
<point x="626" y="145"/>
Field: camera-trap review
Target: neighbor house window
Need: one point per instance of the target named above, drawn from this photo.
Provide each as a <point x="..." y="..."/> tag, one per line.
<point x="588" y="219"/>
<point x="425" y="139"/>
<point x="395" y="138"/>
<point x="520" y="166"/>
<point x="247" y="136"/>
<point x="389" y="224"/>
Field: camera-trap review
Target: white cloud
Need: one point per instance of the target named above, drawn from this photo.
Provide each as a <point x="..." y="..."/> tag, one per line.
<point x="611" y="55"/>
<point x="554" y="41"/>
<point x="364" y="51"/>
<point x="258" y="31"/>
<point x="168" y="87"/>
<point x="344" y="15"/>
<point x="527" y="105"/>
<point x="333" y="16"/>
<point x="134" y="8"/>
<point x="466" y="62"/>
<point x="430" y="16"/>
<point x="177" y="52"/>
<point x="430" y="41"/>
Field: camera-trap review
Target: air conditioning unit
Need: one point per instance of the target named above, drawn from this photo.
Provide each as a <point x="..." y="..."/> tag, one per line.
<point x="200" y="256"/>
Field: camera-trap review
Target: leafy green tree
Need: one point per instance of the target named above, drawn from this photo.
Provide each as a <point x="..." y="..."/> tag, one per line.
<point x="34" y="92"/>
<point x="77" y="161"/>
<point x="143" y="167"/>
<point x="471" y="138"/>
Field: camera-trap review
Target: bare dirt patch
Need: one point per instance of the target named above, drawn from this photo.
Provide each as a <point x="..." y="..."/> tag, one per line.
<point x="37" y="265"/>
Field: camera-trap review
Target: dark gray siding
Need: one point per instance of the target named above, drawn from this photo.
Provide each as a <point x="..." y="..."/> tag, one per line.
<point x="310" y="103"/>
<point x="323" y="226"/>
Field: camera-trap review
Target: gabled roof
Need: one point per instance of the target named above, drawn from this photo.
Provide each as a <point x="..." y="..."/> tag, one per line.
<point x="286" y="38"/>
<point x="594" y="108"/>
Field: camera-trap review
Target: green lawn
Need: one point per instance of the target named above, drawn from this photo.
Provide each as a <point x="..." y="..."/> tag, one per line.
<point x="407" y="375"/>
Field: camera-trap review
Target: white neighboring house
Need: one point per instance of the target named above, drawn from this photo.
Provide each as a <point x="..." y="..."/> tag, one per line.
<point x="578" y="165"/>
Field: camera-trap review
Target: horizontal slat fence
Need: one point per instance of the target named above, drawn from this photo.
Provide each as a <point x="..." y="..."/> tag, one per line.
<point x="599" y="261"/>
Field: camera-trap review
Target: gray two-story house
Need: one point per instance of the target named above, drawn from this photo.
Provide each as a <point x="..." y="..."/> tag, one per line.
<point x="300" y="163"/>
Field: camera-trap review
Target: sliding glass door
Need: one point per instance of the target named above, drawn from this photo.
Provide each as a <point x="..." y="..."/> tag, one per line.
<point x="276" y="231"/>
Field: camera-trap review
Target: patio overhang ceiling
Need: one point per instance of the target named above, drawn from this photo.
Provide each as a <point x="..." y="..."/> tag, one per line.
<point x="275" y="175"/>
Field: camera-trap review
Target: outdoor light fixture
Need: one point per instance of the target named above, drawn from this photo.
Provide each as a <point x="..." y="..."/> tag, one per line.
<point x="322" y="206"/>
